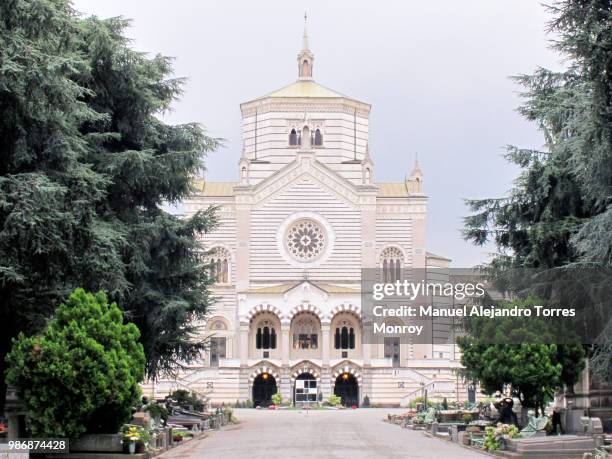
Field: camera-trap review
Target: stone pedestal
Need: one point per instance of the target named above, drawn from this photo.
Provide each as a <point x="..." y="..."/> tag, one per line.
<point x="141" y="419"/>
<point x="566" y="446"/>
<point x="98" y="443"/>
<point x="15" y="413"/>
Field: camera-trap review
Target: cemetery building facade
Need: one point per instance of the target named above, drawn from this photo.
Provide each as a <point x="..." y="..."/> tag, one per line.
<point x="305" y="216"/>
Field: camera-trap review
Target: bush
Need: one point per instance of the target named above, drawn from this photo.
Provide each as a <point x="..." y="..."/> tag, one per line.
<point x="444" y="405"/>
<point x="277" y="399"/>
<point x="249" y="404"/>
<point x="135" y="434"/>
<point x="334" y="400"/>
<point x="230" y="416"/>
<point x="187" y="400"/>
<point x="82" y="373"/>
<point x="418" y="400"/>
<point x="494" y="435"/>
<point x="366" y="402"/>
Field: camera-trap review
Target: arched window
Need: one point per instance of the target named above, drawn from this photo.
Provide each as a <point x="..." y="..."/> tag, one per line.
<point x="305" y="68"/>
<point x="306" y="333"/>
<point x="368" y="175"/>
<point x="391" y="260"/>
<point x="306" y="141"/>
<point x="273" y="339"/>
<point x="224" y="270"/>
<point x="244" y="174"/>
<point x="318" y="138"/>
<point x="344" y="337"/>
<point x="293" y="138"/>
<point x="219" y="261"/>
<point x="265" y="338"/>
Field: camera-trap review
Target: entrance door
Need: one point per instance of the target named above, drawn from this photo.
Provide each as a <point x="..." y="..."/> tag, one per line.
<point x="264" y="387"/>
<point x="305" y="390"/>
<point x="347" y="389"/>
<point x="392" y="350"/>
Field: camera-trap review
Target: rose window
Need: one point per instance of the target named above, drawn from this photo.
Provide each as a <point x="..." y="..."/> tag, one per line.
<point x="305" y="240"/>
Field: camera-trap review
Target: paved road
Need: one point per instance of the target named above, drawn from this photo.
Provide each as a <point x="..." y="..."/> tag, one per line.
<point x="323" y="433"/>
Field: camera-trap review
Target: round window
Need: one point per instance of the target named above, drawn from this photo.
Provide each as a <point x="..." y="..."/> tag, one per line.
<point x="305" y="240"/>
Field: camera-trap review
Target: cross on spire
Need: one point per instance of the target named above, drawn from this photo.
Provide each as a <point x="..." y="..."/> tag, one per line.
<point x="305" y="56"/>
<point x="305" y="46"/>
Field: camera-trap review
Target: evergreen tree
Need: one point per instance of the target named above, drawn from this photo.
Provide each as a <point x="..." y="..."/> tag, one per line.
<point x="559" y="212"/>
<point x="49" y="230"/>
<point x="520" y="352"/>
<point x="147" y="163"/>
<point x="81" y="373"/>
<point x="85" y="165"/>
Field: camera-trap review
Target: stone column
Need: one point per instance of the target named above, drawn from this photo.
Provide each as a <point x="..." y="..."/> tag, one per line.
<point x="285" y="385"/>
<point x="325" y="344"/>
<point x="243" y="236"/>
<point x="244" y="344"/>
<point x="366" y="347"/>
<point x="285" y="343"/>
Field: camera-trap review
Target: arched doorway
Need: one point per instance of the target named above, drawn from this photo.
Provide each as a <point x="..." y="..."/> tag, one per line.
<point x="305" y="390"/>
<point x="347" y="389"/>
<point x="264" y="386"/>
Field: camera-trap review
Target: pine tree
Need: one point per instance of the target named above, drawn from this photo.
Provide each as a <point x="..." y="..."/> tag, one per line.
<point x="85" y="166"/>
<point x="148" y="163"/>
<point x="559" y="212"/>
<point x="48" y="195"/>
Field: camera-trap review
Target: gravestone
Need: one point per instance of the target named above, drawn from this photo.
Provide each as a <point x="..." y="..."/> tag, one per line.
<point x="591" y="426"/>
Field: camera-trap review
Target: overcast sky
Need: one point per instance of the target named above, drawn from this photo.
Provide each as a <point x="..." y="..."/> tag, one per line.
<point x="436" y="74"/>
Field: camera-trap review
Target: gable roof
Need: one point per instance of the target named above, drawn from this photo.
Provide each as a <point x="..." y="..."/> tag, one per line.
<point x="392" y="190"/>
<point x="284" y="288"/>
<point x="304" y="88"/>
<point x="206" y="188"/>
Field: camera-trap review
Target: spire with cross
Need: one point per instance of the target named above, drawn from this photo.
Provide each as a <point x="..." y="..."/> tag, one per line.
<point x="305" y="56"/>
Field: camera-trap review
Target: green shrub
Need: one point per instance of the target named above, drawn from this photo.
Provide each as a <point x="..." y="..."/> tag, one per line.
<point x="277" y="399"/>
<point x="135" y="434"/>
<point x="418" y="400"/>
<point x="187" y="400"/>
<point x="81" y="373"/>
<point x="249" y="404"/>
<point x="334" y="400"/>
<point x="231" y="418"/>
<point x="494" y="435"/>
<point x="366" y="402"/>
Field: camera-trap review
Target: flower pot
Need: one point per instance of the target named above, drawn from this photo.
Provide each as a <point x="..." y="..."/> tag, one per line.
<point x="132" y="448"/>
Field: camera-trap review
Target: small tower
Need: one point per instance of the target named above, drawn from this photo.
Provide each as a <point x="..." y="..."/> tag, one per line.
<point x="305" y="58"/>
<point x="243" y="166"/>
<point x="414" y="183"/>
<point x="367" y="167"/>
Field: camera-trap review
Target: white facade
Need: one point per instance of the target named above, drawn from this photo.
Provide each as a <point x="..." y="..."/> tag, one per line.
<point x="295" y="230"/>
